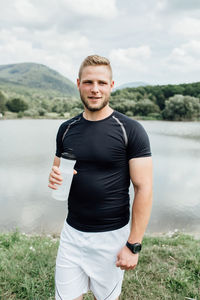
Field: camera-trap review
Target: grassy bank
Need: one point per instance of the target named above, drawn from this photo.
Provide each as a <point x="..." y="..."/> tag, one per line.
<point x="169" y="268"/>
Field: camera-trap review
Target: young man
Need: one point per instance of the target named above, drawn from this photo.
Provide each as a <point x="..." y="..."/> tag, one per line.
<point x="97" y="244"/>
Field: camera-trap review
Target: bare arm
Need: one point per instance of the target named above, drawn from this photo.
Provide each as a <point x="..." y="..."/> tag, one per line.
<point x="141" y="177"/>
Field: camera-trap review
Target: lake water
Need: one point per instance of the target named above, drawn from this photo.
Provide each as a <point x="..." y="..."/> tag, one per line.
<point x="27" y="152"/>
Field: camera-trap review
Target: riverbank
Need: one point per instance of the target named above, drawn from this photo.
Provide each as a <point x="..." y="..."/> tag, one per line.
<point x="169" y="268"/>
<point x="55" y="116"/>
<point x="67" y="115"/>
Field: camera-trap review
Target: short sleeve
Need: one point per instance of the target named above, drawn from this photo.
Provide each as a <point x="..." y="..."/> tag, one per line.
<point x="59" y="143"/>
<point x="138" y="142"/>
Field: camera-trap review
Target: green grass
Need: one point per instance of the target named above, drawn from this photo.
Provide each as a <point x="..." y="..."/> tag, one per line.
<point x="169" y="268"/>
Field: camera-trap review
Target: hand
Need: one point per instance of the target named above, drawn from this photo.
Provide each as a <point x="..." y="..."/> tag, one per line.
<point x="55" y="178"/>
<point x="127" y="260"/>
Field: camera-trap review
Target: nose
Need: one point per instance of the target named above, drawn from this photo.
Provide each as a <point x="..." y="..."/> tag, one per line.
<point x="95" y="88"/>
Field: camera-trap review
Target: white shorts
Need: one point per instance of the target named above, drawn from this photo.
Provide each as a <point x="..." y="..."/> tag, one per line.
<point x="87" y="261"/>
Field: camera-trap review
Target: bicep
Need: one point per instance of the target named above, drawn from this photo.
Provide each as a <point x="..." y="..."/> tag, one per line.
<point x="141" y="171"/>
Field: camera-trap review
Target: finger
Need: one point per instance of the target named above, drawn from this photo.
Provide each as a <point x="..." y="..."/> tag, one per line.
<point x="75" y="172"/>
<point x="53" y="175"/>
<point x="120" y="264"/>
<point x="52" y="186"/>
<point x="127" y="268"/>
<point x="55" y="181"/>
<point x="56" y="170"/>
<point x="132" y="267"/>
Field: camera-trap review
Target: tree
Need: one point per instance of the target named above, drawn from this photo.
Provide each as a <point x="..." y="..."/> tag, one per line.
<point x="123" y="105"/>
<point x="2" y="102"/>
<point x="57" y="105"/>
<point x="146" y="107"/>
<point x="16" y="105"/>
<point x="181" y="107"/>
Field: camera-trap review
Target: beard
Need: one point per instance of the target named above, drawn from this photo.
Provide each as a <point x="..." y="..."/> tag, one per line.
<point x="91" y="107"/>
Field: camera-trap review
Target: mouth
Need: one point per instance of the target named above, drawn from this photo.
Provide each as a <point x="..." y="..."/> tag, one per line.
<point x="94" y="98"/>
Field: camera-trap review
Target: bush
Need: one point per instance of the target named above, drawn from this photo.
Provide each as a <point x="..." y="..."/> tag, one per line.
<point x="42" y="111"/>
<point x="146" y="107"/>
<point x="2" y="102"/>
<point x="20" y="114"/>
<point x="75" y="111"/>
<point x="181" y="107"/>
<point x="129" y="113"/>
<point x="17" y="105"/>
<point x="31" y="113"/>
<point x="155" y="116"/>
<point x="123" y="105"/>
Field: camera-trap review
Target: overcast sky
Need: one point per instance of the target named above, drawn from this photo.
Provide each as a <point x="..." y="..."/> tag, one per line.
<point x="154" y="41"/>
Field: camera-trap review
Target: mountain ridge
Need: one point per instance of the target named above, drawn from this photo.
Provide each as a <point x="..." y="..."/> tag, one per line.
<point x="33" y="77"/>
<point x="133" y="84"/>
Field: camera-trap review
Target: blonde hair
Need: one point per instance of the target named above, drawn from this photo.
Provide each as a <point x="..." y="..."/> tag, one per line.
<point x="94" y="60"/>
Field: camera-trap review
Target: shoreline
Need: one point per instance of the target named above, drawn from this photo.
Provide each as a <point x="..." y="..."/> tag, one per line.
<point x="66" y="116"/>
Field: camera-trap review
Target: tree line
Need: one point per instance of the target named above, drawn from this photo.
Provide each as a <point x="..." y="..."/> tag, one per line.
<point x="162" y="102"/>
<point x="39" y="105"/>
<point x="167" y="102"/>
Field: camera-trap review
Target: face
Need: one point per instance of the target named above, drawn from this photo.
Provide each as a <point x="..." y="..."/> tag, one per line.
<point x="95" y="86"/>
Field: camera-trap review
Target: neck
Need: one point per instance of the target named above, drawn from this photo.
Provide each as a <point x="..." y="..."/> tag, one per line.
<point x="97" y="115"/>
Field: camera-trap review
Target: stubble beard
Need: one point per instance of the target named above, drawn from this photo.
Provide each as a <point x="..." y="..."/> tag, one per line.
<point x="92" y="108"/>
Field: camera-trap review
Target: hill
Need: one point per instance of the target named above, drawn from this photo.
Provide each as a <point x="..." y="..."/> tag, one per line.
<point x="130" y="85"/>
<point x="31" y="78"/>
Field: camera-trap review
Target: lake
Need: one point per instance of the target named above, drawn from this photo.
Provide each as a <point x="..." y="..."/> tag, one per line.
<point x="27" y="152"/>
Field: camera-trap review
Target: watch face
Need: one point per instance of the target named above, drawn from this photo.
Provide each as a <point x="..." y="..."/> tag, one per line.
<point x="136" y="248"/>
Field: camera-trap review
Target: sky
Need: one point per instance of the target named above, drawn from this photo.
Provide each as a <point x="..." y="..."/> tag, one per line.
<point x="153" y="41"/>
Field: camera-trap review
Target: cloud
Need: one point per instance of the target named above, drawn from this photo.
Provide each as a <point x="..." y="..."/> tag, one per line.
<point x="181" y="5"/>
<point x="93" y="8"/>
<point x="185" y="58"/>
<point x="130" y="57"/>
<point x="51" y="13"/>
<point x="130" y="64"/>
<point x="187" y="26"/>
<point x="143" y="39"/>
<point x="58" y="51"/>
<point x="26" y="13"/>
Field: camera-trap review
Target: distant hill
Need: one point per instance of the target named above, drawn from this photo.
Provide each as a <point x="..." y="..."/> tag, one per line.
<point x="131" y="85"/>
<point x="32" y="78"/>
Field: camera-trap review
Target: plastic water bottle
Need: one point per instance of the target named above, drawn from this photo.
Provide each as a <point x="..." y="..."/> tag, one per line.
<point x="67" y="163"/>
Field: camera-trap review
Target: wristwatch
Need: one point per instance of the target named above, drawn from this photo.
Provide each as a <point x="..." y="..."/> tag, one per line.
<point x="135" y="248"/>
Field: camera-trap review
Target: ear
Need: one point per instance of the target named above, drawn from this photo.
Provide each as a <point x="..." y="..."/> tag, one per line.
<point x="112" y="84"/>
<point x="78" y="83"/>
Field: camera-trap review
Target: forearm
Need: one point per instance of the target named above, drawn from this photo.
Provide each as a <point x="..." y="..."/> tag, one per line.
<point x="54" y="176"/>
<point x="56" y="161"/>
<point x="141" y="211"/>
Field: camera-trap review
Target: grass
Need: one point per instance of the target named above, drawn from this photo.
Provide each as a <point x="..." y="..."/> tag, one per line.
<point x="169" y="268"/>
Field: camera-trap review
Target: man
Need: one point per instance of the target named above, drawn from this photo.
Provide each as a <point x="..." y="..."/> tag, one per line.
<point x="97" y="243"/>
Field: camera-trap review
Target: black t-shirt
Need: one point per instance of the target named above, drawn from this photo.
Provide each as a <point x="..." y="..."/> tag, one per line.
<point x="99" y="198"/>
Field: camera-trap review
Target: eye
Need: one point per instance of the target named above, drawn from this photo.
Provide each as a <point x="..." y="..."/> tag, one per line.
<point x="87" y="82"/>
